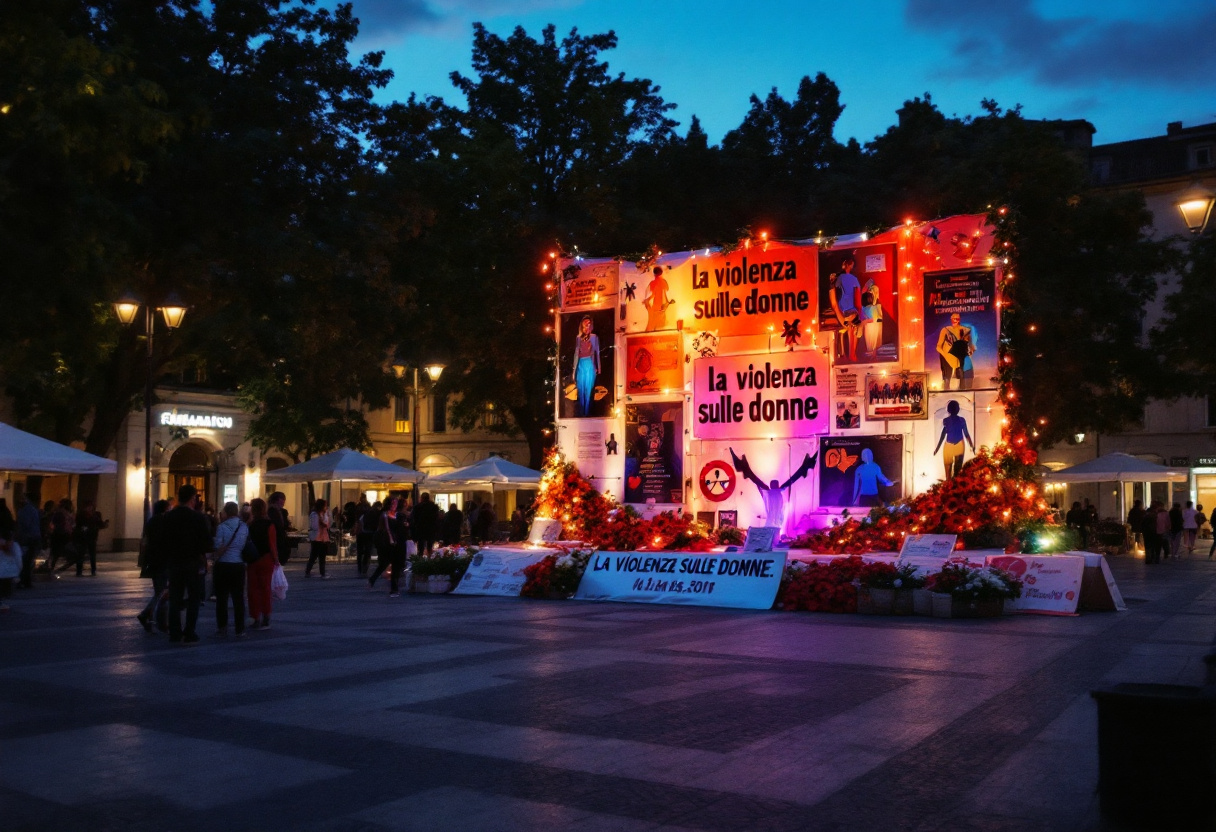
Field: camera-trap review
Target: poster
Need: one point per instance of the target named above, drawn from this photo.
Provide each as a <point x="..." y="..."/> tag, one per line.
<point x="654" y="363"/>
<point x="753" y="290"/>
<point x="587" y="347"/>
<point x="770" y="475"/>
<point x="896" y="396"/>
<point x="862" y="471"/>
<point x="858" y="302"/>
<point x="953" y="425"/>
<point x="961" y="329"/>
<point x="744" y="581"/>
<point x="499" y="571"/>
<point x="728" y="519"/>
<point x="1050" y="584"/>
<point x="654" y="461"/>
<point x="590" y="445"/>
<point x="848" y="412"/>
<point x="760" y="396"/>
<point x="590" y="285"/>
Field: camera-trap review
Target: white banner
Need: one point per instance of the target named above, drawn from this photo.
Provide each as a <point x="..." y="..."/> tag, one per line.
<point x="1050" y="583"/>
<point x="498" y="571"/>
<point x="758" y="396"/>
<point x="745" y="581"/>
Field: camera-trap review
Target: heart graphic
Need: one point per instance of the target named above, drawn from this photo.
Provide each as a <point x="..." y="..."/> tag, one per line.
<point x="634" y="482"/>
<point x="838" y="458"/>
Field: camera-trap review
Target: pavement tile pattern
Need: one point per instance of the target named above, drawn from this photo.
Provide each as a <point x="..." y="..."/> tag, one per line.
<point x="360" y="712"/>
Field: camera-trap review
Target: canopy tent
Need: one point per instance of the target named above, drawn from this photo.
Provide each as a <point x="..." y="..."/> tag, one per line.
<point x="25" y="453"/>
<point x="491" y="471"/>
<point x="345" y="465"/>
<point x="1118" y="467"/>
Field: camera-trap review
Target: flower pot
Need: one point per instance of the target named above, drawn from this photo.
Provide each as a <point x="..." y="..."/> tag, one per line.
<point x="875" y="601"/>
<point x="1010" y="606"/>
<point x="415" y="583"/>
<point x="439" y="584"/>
<point x="904" y="603"/>
<point x="922" y="602"/>
<point x="982" y="608"/>
<point x="943" y="604"/>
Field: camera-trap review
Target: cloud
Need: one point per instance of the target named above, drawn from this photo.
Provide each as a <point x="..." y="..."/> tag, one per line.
<point x="1011" y="37"/>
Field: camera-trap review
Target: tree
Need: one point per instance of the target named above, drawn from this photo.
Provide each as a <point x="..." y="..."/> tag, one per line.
<point x="532" y="159"/>
<point x="1185" y="336"/>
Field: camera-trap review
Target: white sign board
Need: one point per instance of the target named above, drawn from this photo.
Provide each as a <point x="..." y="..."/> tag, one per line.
<point x="928" y="545"/>
<point x="759" y="396"/>
<point x="759" y="538"/>
<point x="498" y="571"/>
<point x="1050" y="583"/>
<point x="544" y="530"/>
<point x="744" y="581"/>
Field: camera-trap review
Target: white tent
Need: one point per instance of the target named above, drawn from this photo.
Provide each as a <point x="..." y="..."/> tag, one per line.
<point x="345" y="465"/>
<point x="25" y="453"/>
<point x="1117" y="467"/>
<point x="489" y="472"/>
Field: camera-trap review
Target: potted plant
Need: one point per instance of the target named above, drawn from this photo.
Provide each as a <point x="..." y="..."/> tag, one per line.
<point x="876" y="588"/>
<point x="966" y="590"/>
<point x="908" y="582"/>
<point x="556" y="576"/>
<point x="438" y="572"/>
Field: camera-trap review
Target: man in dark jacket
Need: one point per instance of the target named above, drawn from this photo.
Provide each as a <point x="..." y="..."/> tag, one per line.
<point x="425" y="524"/>
<point x="184" y="535"/>
<point x="278" y="519"/>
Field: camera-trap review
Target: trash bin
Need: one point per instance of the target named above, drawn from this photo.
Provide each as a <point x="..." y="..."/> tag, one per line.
<point x="1157" y="756"/>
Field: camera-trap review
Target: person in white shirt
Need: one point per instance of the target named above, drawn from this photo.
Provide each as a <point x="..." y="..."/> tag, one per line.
<point x="228" y="574"/>
<point x="318" y="536"/>
<point x="1190" y="526"/>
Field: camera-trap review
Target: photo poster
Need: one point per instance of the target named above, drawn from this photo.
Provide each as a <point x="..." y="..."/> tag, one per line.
<point x="709" y="518"/>
<point x="847" y="399"/>
<point x="858" y="301"/>
<point x="953" y="431"/>
<point x="961" y="329"/>
<point x="728" y="518"/>
<point x="897" y="396"/>
<point x="654" y="363"/>
<point x="589" y="285"/>
<point x="586" y="353"/>
<point x="654" y="457"/>
<point x="860" y="471"/>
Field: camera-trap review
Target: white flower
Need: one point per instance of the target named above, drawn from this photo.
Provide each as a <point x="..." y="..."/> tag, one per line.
<point x="898" y="583"/>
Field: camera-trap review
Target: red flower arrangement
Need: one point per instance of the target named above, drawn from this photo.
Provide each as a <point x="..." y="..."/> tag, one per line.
<point x="819" y="587"/>
<point x="995" y="490"/>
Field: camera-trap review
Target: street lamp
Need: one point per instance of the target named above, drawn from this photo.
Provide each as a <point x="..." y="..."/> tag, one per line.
<point x="433" y="371"/>
<point x="174" y="313"/>
<point x="1195" y="205"/>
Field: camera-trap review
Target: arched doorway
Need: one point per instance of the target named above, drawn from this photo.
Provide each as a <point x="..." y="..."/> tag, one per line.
<point x="192" y="464"/>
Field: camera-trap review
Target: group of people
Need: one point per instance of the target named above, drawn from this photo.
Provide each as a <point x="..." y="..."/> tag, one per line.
<point x="1167" y="534"/>
<point x="70" y="535"/>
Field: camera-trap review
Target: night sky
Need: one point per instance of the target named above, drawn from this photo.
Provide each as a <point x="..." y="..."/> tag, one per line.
<point x="1128" y="66"/>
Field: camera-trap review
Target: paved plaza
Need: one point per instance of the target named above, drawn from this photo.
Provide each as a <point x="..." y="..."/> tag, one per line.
<point x="360" y="712"/>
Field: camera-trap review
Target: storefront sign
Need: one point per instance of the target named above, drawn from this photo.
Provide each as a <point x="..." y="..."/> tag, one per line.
<point x="196" y="420"/>
<point x="758" y="396"/>
<point x="744" y="581"/>
<point x="1050" y="584"/>
<point x="654" y="363"/>
<point x="498" y="571"/>
<point x="589" y="286"/>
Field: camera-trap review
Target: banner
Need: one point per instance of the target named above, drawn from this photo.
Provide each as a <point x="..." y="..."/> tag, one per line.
<point x="654" y="363"/>
<point x="862" y="471"/>
<point x="586" y="354"/>
<point x="895" y="396"/>
<point x="760" y="396"/>
<point x="498" y="571"/>
<point x="586" y="286"/>
<point x="750" y="291"/>
<point x="859" y="301"/>
<point x="654" y="465"/>
<point x="1050" y="583"/>
<point x="705" y="580"/>
<point x="961" y="329"/>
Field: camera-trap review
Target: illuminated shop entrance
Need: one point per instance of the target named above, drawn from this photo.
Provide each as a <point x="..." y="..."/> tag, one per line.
<point x="191" y="464"/>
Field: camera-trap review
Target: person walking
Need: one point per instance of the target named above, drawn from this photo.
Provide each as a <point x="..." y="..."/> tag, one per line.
<point x="29" y="536"/>
<point x="228" y="575"/>
<point x="153" y="563"/>
<point x="1175" y="530"/>
<point x="1190" y="527"/>
<point x="318" y="537"/>
<point x="259" y="573"/>
<point x="391" y="535"/>
<point x="453" y="523"/>
<point x="1135" y="518"/>
<point x="89" y="524"/>
<point x="425" y="524"/>
<point x="486" y="520"/>
<point x="1079" y="520"/>
<point x="365" y="532"/>
<point x="8" y="537"/>
<point x="1148" y="529"/>
<point x="185" y="536"/>
<point x="62" y="524"/>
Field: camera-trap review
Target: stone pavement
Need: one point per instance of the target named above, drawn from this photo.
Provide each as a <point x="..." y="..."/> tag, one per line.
<point x="360" y="712"/>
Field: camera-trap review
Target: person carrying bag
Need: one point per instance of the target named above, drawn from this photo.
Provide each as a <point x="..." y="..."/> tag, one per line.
<point x="229" y="571"/>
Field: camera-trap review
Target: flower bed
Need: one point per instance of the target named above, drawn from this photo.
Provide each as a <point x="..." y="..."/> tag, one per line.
<point x="447" y="561"/>
<point x="820" y="587"/>
<point x="556" y="575"/>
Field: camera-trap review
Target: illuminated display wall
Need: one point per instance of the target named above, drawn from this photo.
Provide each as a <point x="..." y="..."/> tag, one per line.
<point x="782" y="382"/>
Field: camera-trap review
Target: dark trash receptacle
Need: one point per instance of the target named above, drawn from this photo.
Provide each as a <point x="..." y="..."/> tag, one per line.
<point x="1157" y="756"/>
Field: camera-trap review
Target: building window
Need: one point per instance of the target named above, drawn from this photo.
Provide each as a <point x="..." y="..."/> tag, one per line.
<point x="1201" y="156"/>
<point x="401" y="414"/>
<point x="492" y="417"/>
<point x="439" y="413"/>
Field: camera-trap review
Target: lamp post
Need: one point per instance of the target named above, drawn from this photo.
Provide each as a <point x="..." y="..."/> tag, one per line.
<point x="433" y="371"/>
<point x="174" y="313"/>
<point x="1195" y="205"/>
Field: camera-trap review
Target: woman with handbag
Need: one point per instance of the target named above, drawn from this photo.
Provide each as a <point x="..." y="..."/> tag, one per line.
<point x="228" y="575"/>
<point x="391" y="535"/>
<point x="154" y="564"/>
<point x="262" y="532"/>
<point x="318" y="537"/>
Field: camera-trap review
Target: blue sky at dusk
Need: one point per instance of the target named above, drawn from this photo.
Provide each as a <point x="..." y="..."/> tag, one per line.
<point x="1128" y="66"/>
